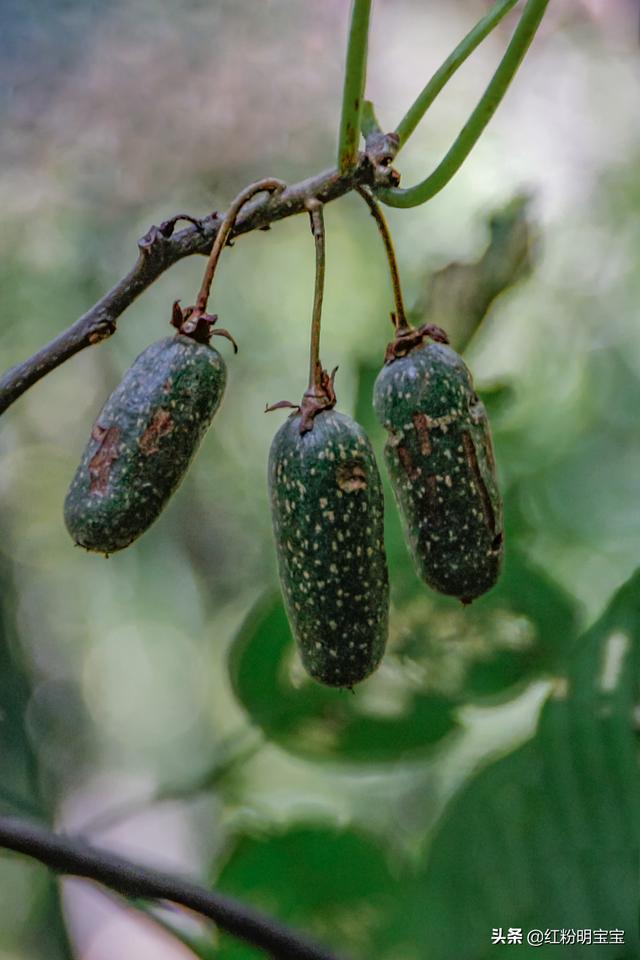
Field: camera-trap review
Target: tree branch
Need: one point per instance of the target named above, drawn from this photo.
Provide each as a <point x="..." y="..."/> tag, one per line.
<point x="74" y="857"/>
<point x="160" y="249"/>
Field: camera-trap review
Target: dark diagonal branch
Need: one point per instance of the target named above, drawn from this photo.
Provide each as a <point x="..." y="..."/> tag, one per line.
<point x="74" y="857"/>
<point x="161" y="248"/>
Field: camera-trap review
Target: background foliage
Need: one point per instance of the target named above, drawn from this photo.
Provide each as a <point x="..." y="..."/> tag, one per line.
<point x="486" y="776"/>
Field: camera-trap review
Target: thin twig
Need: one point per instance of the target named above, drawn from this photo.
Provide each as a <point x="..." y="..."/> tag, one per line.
<point x="399" y="317"/>
<point x="69" y="856"/>
<point x="269" y="185"/>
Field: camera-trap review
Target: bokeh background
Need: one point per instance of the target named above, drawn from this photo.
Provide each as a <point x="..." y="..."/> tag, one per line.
<point x="486" y="776"/>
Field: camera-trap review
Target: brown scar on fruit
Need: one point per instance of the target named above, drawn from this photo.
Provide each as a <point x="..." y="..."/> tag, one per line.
<point x="161" y="424"/>
<point x="431" y="485"/>
<point x="421" y="423"/>
<point x="108" y="451"/>
<point x="412" y="471"/>
<point x="490" y="455"/>
<point x="351" y="477"/>
<point x="474" y="466"/>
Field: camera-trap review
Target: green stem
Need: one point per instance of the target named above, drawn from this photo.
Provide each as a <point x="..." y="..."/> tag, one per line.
<point x="271" y="185"/>
<point x="399" y="317"/>
<point x="354" y="80"/>
<point x="443" y="74"/>
<point x="369" y="123"/>
<point x="317" y="228"/>
<point x="475" y="125"/>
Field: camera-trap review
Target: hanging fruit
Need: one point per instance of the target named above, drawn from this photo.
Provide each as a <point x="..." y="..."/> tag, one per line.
<point x="150" y="428"/>
<point x="439" y="453"/>
<point x="328" y="518"/>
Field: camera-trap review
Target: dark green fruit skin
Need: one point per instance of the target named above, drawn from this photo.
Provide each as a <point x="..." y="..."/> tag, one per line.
<point x="327" y="509"/>
<point x="143" y="442"/>
<point x="440" y="459"/>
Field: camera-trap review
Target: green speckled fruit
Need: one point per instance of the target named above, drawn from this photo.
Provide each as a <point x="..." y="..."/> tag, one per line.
<point x="440" y="459"/>
<point x="327" y="507"/>
<point x="143" y="442"/>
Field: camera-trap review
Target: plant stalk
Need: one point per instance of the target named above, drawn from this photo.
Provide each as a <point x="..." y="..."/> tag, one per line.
<point x="475" y="125"/>
<point x="445" y="72"/>
<point x="353" y="90"/>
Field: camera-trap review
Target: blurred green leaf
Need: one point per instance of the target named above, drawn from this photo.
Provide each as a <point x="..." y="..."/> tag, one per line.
<point x="379" y="721"/>
<point x="549" y="836"/>
<point x="520" y="629"/>
<point x="334" y="885"/>
<point x="459" y="296"/>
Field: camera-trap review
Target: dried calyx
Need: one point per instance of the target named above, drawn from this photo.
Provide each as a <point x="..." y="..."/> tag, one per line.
<point x="408" y="338"/>
<point x="199" y="326"/>
<point x="314" y="400"/>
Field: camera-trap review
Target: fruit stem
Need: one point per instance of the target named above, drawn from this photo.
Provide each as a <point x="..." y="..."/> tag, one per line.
<point x="317" y="228"/>
<point x="269" y="184"/>
<point x="399" y="317"/>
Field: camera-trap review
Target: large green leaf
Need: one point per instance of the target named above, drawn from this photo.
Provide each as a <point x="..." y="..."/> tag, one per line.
<point x="335" y="885"/>
<point x="385" y="716"/>
<point x="549" y="836"/>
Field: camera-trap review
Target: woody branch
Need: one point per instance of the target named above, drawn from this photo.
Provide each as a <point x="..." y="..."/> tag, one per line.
<point x="162" y="247"/>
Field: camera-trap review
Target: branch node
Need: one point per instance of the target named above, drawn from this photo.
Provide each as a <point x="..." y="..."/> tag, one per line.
<point x="157" y="237"/>
<point x="102" y="331"/>
<point x="381" y="149"/>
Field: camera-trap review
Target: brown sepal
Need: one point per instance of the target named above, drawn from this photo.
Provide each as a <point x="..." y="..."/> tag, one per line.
<point x="190" y="322"/>
<point x="281" y="405"/>
<point x="221" y="332"/>
<point x="408" y="338"/>
<point x="313" y="402"/>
